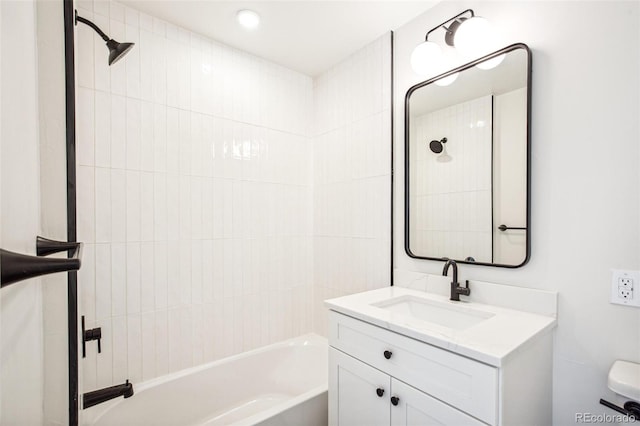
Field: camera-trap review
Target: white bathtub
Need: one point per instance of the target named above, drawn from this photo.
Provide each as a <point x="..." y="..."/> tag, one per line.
<point x="280" y="384"/>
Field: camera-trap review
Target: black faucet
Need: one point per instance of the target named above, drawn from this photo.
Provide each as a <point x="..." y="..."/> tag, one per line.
<point x="101" y="395"/>
<point x="456" y="288"/>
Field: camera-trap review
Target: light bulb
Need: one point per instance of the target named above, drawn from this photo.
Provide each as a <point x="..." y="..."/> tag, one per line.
<point x="248" y="18"/>
<point x="426" y="58"/>
<point x="447" y="80"/>
<point x="475" y="38"/>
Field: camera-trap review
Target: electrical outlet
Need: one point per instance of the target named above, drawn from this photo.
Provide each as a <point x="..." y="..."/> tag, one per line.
<point x="625" y="286"/>
<point x="625" y="293"/>
<point x="625" y="282"/>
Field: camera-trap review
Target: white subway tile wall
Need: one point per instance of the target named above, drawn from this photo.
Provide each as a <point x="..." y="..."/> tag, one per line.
<point x="452" y="205"/>
<point x="352" y="176"/>
<point x="195" y="198"/>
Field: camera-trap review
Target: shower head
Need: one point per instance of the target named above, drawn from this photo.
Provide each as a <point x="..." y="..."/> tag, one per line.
<point x="116" y="50"/>
<point x="437" y="146"/>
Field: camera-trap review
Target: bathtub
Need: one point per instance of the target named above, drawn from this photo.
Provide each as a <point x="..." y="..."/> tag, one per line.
<point x="280" y="384"/>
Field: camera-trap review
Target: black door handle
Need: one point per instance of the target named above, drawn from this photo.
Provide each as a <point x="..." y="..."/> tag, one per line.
<point x="380" y="392"/>
<point x="387" y="354"/>
<point x="395" y="400"/>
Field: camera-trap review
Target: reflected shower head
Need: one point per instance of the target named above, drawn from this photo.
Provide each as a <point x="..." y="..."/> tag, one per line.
<point x="116" y="50"/>
<point x="437" y="146"/>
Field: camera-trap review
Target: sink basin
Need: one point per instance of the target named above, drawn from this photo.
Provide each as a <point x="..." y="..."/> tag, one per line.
<point x="444" y="314"/>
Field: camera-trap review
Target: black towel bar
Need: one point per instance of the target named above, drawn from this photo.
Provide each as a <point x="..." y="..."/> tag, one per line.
<point x="505" y="227"/>
<point x="16" y="267"/>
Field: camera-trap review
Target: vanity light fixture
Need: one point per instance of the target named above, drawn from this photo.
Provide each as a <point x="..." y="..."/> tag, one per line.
<point x="471" y="35"/>
<point x="248" y="19"/>
<point x="116" y="50"/>
<point x="476" y="38"/>
<point x="426" y="57"/>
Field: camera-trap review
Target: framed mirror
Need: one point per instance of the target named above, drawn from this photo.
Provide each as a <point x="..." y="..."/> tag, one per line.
<point x="467" y="162"/>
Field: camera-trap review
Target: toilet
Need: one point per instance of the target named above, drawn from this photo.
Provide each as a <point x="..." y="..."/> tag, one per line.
<point x="624" y="379"/>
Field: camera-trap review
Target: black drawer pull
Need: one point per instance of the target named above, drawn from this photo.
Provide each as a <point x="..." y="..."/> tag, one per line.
<point x="395" y="400"/>
<point x="380" y="392"/>
<point x="387" y="354"/>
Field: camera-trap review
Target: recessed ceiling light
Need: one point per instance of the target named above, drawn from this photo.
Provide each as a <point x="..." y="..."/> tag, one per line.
<point x="248" y="18"/>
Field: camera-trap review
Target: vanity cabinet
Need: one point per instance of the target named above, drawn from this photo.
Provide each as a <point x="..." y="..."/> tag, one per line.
<point x="379" y="377"/>
<point x="364" y="395"/>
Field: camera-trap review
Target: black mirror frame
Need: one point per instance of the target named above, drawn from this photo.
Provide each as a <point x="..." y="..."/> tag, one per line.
<point x="528" y="150"/>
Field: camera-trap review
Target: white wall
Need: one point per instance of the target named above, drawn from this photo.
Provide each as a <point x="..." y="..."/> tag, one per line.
<point x="194" y="196"/>
<point x="53" y="217"/>
<point x="21" y="379"/>
<point x="352" y="176"/>
<point x="509" y="179"/>
<point x="586" y="184"/>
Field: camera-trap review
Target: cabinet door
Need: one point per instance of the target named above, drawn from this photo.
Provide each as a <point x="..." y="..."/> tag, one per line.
<point x="353" y="392"/>
<point x="419" y="409"/>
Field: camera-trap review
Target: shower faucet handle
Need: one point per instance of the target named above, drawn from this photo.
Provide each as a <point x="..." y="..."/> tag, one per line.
<point x="94" y="334"/>
<point x="89" y="335"/>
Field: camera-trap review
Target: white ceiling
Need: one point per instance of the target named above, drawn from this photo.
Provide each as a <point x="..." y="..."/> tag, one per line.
<point x="306" y="36"/>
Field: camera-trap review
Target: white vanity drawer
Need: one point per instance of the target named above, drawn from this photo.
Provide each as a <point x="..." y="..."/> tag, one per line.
<point x="464" y="383"/>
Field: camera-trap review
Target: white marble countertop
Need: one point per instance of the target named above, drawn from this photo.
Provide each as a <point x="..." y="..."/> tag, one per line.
<point x="491" y="341"/>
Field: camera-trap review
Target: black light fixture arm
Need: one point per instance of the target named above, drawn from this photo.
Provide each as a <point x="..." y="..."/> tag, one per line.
<point x="450" y="30"/>
<point x="92" y="25"/>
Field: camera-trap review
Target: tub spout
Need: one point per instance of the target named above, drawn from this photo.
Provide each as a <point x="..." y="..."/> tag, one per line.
<point x="101" y="395"/>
